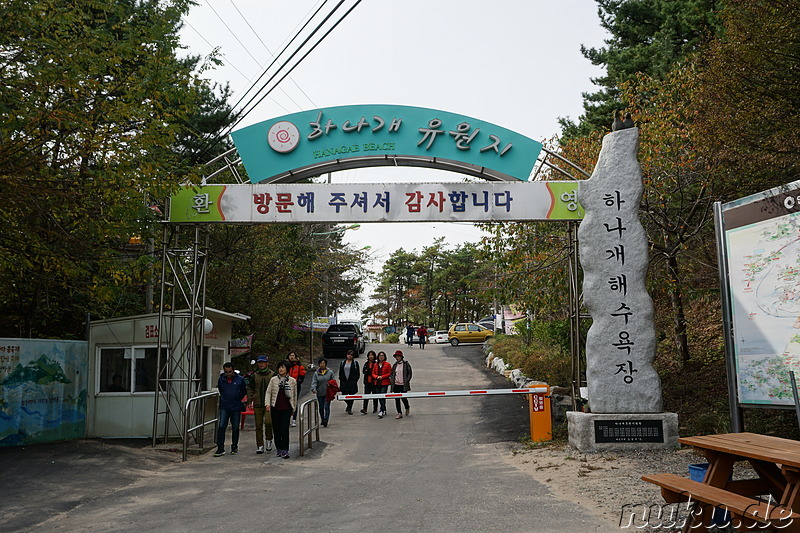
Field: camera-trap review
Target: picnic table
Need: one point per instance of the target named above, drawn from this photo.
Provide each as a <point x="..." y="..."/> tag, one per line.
<point x="776" y="462"/>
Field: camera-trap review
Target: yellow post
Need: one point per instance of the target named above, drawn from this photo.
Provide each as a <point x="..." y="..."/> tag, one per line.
<point x="541" y="420"/>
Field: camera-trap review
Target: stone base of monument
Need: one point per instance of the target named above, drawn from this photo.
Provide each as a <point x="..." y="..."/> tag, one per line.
<point x="598" y="432"/>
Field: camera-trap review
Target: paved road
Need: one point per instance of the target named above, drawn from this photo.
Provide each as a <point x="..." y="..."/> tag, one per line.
<point x="439" y="469"/>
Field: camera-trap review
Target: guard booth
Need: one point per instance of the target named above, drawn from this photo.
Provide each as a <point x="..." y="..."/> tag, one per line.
<point x="123" y="358"/>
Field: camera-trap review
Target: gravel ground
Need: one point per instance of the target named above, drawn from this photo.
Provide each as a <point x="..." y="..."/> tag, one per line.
<point x="609" y="484"/>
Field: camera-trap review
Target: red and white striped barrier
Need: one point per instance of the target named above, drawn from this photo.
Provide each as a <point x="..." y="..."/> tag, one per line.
<point x="439" y="394"/>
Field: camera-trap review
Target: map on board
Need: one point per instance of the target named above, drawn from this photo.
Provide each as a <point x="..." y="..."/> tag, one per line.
<point x="764" y="266"/>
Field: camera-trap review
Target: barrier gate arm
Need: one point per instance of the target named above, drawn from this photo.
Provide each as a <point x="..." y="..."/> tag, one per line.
<point x="538" y="404"/>
<point x="439" y="394"/>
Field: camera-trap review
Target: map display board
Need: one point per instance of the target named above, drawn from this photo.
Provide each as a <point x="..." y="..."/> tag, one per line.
<point x="762" y="242"/>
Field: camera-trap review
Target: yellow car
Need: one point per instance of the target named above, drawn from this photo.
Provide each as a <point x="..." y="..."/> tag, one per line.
<point x="466" y="332"/>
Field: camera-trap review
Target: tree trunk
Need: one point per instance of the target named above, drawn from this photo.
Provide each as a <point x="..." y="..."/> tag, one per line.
<point x="678" y="314"/>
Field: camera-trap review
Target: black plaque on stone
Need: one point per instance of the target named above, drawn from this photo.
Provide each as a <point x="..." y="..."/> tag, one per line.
<point x="628" y="431"/>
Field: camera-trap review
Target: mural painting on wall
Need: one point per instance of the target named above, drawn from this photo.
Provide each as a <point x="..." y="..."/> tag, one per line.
<point x="42" y="390"/>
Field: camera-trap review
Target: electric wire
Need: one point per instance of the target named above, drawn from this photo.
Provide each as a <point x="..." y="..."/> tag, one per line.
<point x="249" y="106"/>
<point x="244" y="113"/>
<point x="231" y="111"/>
<point x="228" y="61"/>
<point x="271" y="54"/>
<point x="285" y="48"/>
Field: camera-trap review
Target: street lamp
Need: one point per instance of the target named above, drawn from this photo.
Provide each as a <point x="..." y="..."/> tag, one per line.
<point x="311" y="318"/>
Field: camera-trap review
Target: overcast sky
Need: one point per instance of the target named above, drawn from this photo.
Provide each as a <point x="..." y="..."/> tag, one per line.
<point x="515" y="63"/>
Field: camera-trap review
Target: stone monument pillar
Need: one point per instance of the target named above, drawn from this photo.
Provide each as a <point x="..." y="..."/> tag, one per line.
<point x="624" y="388"/>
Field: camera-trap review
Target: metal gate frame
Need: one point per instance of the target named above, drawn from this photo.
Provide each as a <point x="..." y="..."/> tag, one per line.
<point x="182" y="309"/>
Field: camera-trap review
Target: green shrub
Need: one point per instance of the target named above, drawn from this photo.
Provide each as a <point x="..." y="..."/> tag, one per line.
<point x="392" y="338"/>
<point x="538" y="360"/>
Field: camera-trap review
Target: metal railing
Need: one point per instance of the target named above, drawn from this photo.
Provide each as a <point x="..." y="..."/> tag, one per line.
<point x="200" y="415"/>
<point x="306" y="433"/>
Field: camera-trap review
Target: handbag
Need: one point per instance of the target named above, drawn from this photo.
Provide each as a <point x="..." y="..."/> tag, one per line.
<point x="333" y="388"/>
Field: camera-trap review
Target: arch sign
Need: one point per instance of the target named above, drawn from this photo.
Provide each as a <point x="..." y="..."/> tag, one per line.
<point x="624" y="390"/>
<point x="280" y="152"/>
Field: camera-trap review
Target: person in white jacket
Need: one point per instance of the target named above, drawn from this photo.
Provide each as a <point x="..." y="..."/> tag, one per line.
<point x="281" y="401"/>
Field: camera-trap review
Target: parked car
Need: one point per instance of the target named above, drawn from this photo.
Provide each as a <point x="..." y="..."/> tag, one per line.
<point x="342" y="337"/>
<point x="488" y="323"/>
<point x="467" y="332"/>
<point x="439" y="336"/>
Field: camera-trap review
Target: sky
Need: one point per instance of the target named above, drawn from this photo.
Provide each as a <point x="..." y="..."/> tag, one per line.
<point x="515" y="63"/>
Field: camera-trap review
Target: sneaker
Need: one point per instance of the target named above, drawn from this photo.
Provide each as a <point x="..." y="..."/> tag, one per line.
<point x="408" y="410"/>
<point x="219" y="453"/>
<point x="293" y="423"/>
<point x="269" y="445"/>
<point x="349" y="411"/>
<point x="260" y="449"/>
<point x="285" y="454"/>
<point x="380" y="415"/>
<point x="363" y="411"/>
<point x="234" y="451"/>
<point x="324" y="423"/>
<point x="399" y="415"/>
<point x="279" y="454"/>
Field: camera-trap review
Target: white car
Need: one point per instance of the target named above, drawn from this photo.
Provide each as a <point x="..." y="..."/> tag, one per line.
<point x="439" y="337"/>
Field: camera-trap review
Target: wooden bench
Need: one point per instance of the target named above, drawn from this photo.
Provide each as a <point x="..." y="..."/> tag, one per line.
<point x="744" y="509"/>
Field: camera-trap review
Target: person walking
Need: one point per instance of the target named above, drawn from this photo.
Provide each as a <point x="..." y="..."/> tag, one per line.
<point x="410" y="335"/>
<point x="232" y="389"/>
<point x="349" y="373"/>
<point x="422" y="333"/>
<point x="381" y="373"/>
<point x="369" y="382"/>
<point x="319" y="386"/>
<point x="297" y="370"/>
<point x="281" y="400"/>
<point x="256" y="390"/>
<point x="401" y="381"/>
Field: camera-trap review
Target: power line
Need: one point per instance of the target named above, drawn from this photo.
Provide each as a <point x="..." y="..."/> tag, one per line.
<point x="228" y="61"/>
<point x="271" y="54"/>
<point x="245" y="111"/>
<point x="285" y="48"/>
<point x="231" y="111"/>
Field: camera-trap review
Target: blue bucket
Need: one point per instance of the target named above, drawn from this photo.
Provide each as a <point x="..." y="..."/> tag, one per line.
<point x="697" y="472"/>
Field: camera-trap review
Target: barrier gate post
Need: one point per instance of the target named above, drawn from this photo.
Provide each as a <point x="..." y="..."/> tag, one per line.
<point x="541" y="417"/>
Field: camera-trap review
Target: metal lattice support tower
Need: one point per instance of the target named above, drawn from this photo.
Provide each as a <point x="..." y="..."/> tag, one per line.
<point x="181" y="317"/>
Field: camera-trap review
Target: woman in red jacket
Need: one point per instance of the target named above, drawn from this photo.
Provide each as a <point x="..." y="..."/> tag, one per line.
<point x="382" y="373"/>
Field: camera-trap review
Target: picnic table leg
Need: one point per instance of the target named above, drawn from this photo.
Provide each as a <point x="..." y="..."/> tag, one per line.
<point x="791" y="496"/>
<point x="719" y="469"/>
<point x="770" y="473"/>
<point x="699" y="518"/>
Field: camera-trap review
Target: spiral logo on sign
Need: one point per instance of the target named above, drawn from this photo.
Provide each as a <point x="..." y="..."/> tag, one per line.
<point x="283" y="137"/>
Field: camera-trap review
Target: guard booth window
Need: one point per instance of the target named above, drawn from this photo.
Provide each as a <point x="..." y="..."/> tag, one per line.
<point x="128" y="369"/>
<point x="209" y="366"/>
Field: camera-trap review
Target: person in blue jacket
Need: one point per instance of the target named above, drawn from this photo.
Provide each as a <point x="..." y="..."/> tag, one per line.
<point x="232" y="389"/>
